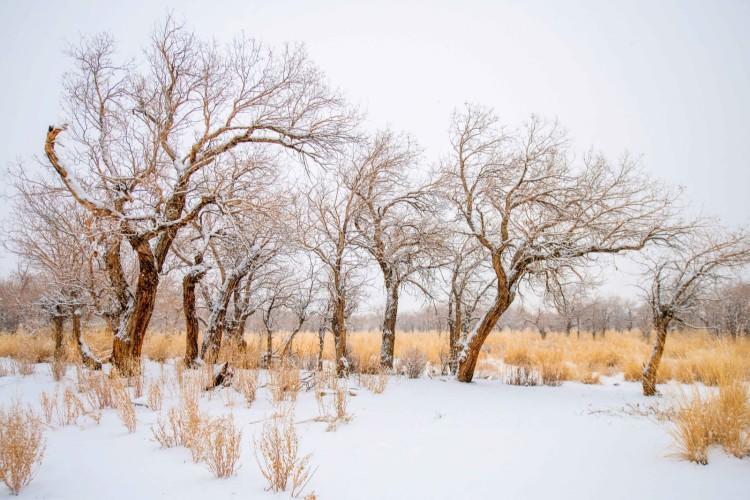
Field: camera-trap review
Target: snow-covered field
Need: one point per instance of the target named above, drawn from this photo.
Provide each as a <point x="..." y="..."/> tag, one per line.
<point x="420" y="439"/>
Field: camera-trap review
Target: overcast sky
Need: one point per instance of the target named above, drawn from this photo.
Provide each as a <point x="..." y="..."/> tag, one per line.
<point x="666" y="80"/>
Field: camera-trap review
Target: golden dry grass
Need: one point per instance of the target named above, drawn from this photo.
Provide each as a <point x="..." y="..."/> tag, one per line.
<point x="689" y="356"/>
<point x="718" y="418"/>
<point x="22" y="446"/>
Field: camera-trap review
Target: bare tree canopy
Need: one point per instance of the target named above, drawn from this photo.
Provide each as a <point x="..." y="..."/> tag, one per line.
<point x="535" y="212"/>
<point x="684" y="277"/>
<point x="397" y="223"/>
<point x="147" y="145"/>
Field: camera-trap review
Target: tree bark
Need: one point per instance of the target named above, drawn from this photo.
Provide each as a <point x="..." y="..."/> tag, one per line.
<point x="652" y="367"/>
<point x="87" y="356"/>
<point x="57" y="332"/>
<point x="455" y="322"/>
<point x="338" y="327"/>
<point x="388" y="341"/>
<point x="215" y="331"/>
<point x="189" y="281"/>
<point x="469" y="355"/>
<point x="128" y="342"/>
<point x="321" y="341"/>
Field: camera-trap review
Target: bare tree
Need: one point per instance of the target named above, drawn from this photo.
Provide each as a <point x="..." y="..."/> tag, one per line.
<point x="534" y="213"/>
<point x="397" y="224"/>
<point x="142" y="137"/>
<point x="57" y="239"/>
<point x="468" y="286"/>
<point x="327" y="229"/>
<point x="684" y="278"/>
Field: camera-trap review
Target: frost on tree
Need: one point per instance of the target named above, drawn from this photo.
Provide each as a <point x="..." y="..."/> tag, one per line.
<point x="150" y="146"/>
<point x="535" y="213"/>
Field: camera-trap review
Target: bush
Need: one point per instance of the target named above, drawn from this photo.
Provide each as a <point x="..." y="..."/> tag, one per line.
<point x="413" y="363"/>
<point x="222" y="450"/>
<point x="279" y="459"/>
<point x="22" y="446"/>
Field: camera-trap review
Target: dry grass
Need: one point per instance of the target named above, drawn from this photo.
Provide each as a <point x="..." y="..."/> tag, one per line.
<point x="719" y="418"/>
<point x="154" y="396"/>
<point x="278" y="456"/>
<point x="284" y="382"/>
<point x="69" y="409"/>
<point x="374" y="382"/>
<point x="184" y="425"/>
<point x="48" y="405"/>
<point x="689" y="357"/>
<point x="332" y="403"/>
<point x="222" y="448"/>
<point x="124" y="405"/>
<point x="412" y="363"/>
<point x="22" y="446"/>
<point x="246" y="383"/>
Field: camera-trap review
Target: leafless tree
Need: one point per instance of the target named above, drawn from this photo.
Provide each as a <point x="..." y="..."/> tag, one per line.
<point x="469" y="285"/>
<point x="684" y="278"/>
<point x="56" y="237"/>
<point x="327" y="230"/>
<point x="247" y="244"/>
<point x="534" y="213"/>
<point x="397" y="224"/>
<point x="143" y="136"/>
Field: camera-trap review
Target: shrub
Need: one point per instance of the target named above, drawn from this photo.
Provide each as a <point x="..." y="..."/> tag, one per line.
<point x="222" y="449"/>
<point x="124" y="405"/>
<point x="246" y="382"/>
<point x="376" y="382"/>
<point x="70" y="408"/>
<point x="183" y="426"/>
<point x="413" y="363"/>
<point x="279" y="459"/>
<point x="49" y="405"/>
<point x="22" y="446"/>
<point x="521" y="375"/>
<point x="154" y="396"/>
<point x="284" y="382"/>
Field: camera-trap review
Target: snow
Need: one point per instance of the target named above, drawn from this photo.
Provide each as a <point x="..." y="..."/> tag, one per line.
<point x="426" y="438"/>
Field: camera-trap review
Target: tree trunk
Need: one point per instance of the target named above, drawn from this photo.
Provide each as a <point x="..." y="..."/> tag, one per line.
<point x="269" y="349"/>
<point x="338" y="327"/>
<point x="652" y="367"/>
<point x="454" y="336"/>
<point x="215" y="331"/>
<point x="388" y="342"/>
<point x="321" y="341"/>
<point x="57" y="332"/>
<point x="128" y="342"/>
<point x="189" y="281"/>
<point x="469" y="355"/>
<point x="87" y="356"/>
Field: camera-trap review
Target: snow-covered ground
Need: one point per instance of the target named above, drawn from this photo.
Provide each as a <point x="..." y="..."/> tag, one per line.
<point x="420" y="439"/>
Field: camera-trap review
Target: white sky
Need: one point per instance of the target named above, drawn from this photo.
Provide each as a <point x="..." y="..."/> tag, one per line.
<point x="668" y="80"/>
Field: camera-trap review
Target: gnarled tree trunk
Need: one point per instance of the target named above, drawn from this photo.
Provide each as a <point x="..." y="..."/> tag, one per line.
<point x="88" y="358"/>
<point x="189" y="281"/>
<point x="128" y="342"/>
<point x="467" y="360"/>
<point x="652" y="367"/>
